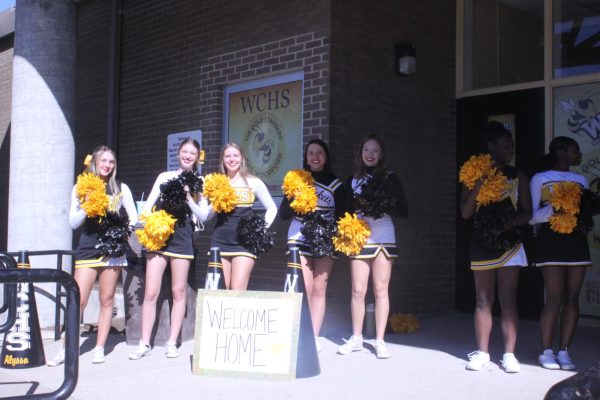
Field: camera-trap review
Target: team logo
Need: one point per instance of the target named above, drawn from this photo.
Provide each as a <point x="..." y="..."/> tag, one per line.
<point x="584" y="115"/>
<point x="263" y="141"/>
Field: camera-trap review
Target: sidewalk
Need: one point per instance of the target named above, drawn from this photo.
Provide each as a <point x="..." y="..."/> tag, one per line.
<point x="427" y="365"/>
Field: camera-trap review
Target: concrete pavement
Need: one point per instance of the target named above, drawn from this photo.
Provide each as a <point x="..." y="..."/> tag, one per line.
<point x="428" y="365"/>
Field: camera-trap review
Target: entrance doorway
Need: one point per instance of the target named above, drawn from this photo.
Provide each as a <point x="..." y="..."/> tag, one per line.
<point x="523" y="111"/>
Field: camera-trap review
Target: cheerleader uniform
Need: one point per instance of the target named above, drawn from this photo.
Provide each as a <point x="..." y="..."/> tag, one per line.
<point x="553" y="248"/>
<point x="333" y="202"/>
<point x="383" y="237"/>
<point x="225" y="233"/>
<point x="86" y="253"/>
<point x="483" y="258"/>
<point x="180" y="244"/>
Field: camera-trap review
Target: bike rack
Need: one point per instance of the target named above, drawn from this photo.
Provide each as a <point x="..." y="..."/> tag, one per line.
<point x="22" y="275"/>
<point x="10" y="296"/>
<point x="59" y="293"/>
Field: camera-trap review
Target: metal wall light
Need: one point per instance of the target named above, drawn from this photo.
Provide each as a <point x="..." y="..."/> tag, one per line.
<point x="406" y="59"/>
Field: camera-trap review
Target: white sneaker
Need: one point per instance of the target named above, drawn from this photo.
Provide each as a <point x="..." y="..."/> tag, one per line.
<point x="548" y="360"/>
<point x="478" y="360"/>
<point x="58" y="359"/>
<point x="565" y="361"/>
<point x="318" y="344"/>
<point x="98" y="355"/>
<point x="355" y="343"/>
<point x="510" y="363"/>
<point x="381" y="350"/>
<point x="141" y="351"/>
<point x="171" y="350"/>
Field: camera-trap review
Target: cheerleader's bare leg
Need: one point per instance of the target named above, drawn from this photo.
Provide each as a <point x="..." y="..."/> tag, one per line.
<point x="508" y="280"/>
<point x="485" y="282"/>
<point x="321" y="268"/>
<point x="241" y="268"/>
<point x="179" y="274"/>
<point x="360" y="270"/>
<point x="554" y="284"/>
<point x="226" y="264"/>
<point x="108" y="278"/>
<point x="155" y="268"/>
<point x="570" y="310"/>
<point x="382" y="271"/>
<point x="85" y="278"/>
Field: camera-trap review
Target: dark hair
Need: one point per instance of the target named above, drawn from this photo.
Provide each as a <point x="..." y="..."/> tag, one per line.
<point x="191" y="141"/>
<point x="549" y="160"/>
<point x="327" y="167"/>
<point x="361" y="168"/>
<point x="561" y="143"/>
<point x="492" y="132"/>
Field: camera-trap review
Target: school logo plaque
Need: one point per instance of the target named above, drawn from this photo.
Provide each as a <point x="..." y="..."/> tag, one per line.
<point x="264" y="141"/>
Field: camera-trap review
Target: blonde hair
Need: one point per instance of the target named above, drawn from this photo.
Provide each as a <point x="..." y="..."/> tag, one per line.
<point x="244" y="171"/>
<point x="112" y="182"/>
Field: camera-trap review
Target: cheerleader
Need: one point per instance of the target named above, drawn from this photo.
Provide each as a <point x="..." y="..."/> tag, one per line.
<point x="238" y="261"/>
<point x="333" y="201"/>
<point x="178" y="252"/>
<point x="89" y="263"/>
<point x="493" y="264"/>
<point x="378" y="255"/>
<point x="563" y="257"/>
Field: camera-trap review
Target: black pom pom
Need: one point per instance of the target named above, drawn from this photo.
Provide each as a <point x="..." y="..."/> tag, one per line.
<point x="589" y="206"/>
<point x="113" y="234"/>
<point x="489" y="227"/>
<point x="193" y="181"/>
<point x="253" y="234"/>
<point x="173" y="195"/>
<point x="172" y="198"/>
<point x="376" y="197"/>
<point x="318" y="233"/>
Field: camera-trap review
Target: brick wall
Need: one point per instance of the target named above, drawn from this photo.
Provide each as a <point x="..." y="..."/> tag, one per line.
<point x="176" y="61"/>
<point x="6" y="71"/>
<point x="177" y="57"/>
<point x="415" y="115"/>
<point x="93" y="44"/>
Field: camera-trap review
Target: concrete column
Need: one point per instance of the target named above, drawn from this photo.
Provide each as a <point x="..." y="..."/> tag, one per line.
<point x="42" y="146"/>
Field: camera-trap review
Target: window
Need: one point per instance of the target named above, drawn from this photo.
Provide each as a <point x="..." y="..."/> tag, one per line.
<point x="504" y="42"/>
<point x="576" y="41"/>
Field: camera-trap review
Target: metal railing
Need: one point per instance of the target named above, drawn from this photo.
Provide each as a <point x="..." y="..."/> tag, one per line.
<point x="10" y="296"/>
<point x="14" y="276"/>
<point x="59" y="293"/>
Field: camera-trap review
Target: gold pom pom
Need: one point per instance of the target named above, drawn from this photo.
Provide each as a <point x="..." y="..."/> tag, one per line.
<point x="563" y="223"/>
<point x="295" y="180"/>
<point x="475" y="168"/>
<point x="87" y="183"/>
<point x="219" y="192"/>
<point x="95" y="204"/>
<point x="404" y="323"/>
<point x="565" y="197"/>
<point x="305" y="202"/>
<point x="298" y="185"/>
<point x="352" y="234"/>
<point x="91" y="191"/>
<point x="493" y="187"/>
<point x="159" y="226"/>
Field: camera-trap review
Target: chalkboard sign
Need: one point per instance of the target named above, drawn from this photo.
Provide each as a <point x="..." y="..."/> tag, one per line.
<point x="247" y="334"/>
